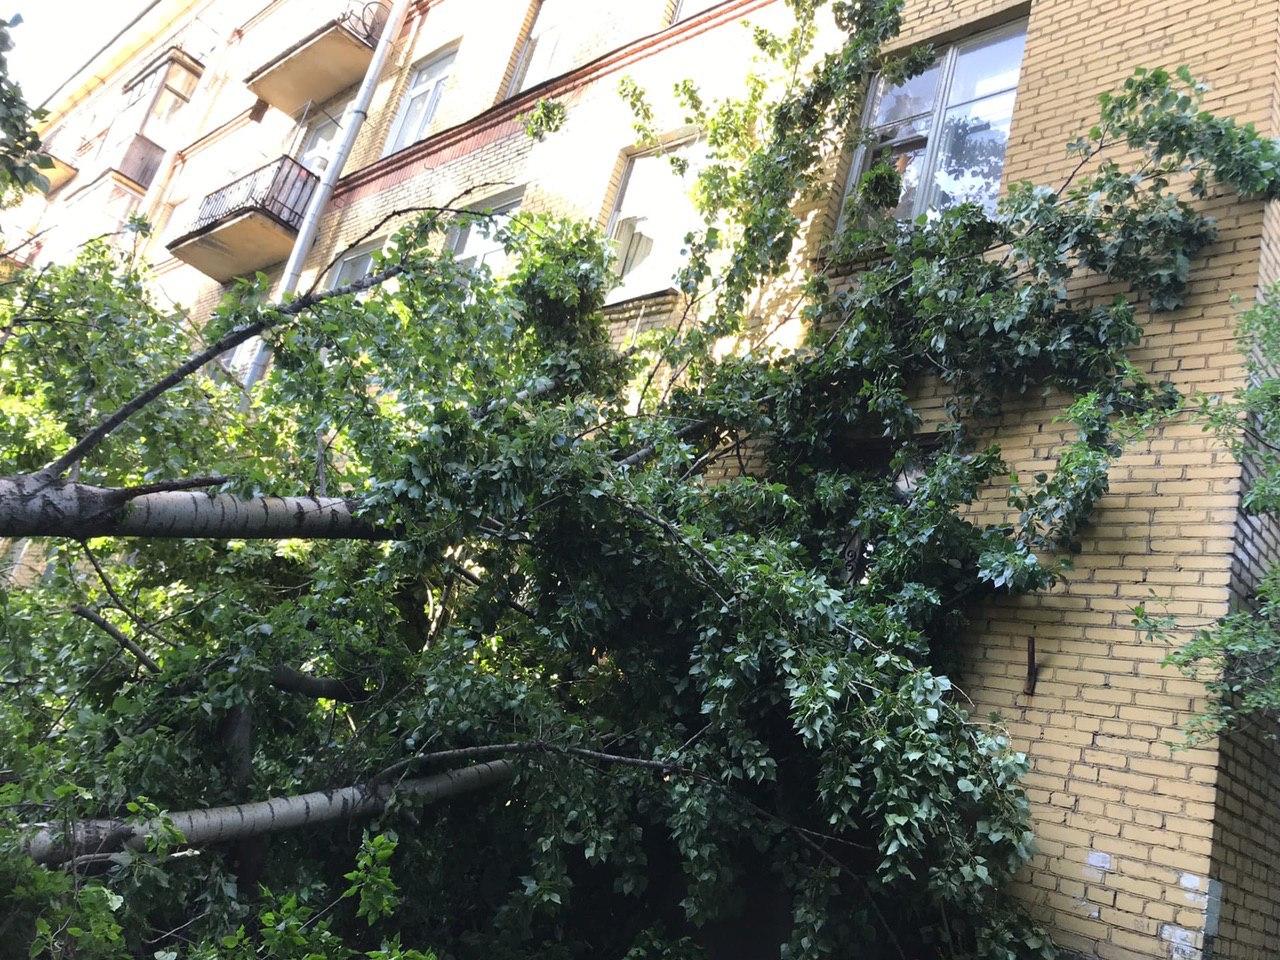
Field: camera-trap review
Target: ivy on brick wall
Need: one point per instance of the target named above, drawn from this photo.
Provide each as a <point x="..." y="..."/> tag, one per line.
<point x="1238" y="656"/>
<point x="690" y="607"/>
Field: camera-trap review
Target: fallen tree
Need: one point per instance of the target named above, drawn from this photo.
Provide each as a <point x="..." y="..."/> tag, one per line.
<point x="95" y="838"/>
<point x="690" y="557"/>
<point x="35" y="506"/>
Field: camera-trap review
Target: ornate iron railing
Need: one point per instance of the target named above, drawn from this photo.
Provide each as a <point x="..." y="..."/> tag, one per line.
<point x="281" y="189"/>
<point x="365" y="20"/>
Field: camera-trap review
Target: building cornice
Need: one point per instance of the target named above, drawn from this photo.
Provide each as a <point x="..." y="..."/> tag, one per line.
<point x="502" y="119"/>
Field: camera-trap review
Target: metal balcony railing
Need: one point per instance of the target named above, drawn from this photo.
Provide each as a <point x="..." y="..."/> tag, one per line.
<point x="365" y="20"/>
<point x="281" y="189"/>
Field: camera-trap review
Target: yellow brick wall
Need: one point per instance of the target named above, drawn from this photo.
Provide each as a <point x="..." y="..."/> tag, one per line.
<point x="1125" y="822"/>
<point x="1244" y="903"/>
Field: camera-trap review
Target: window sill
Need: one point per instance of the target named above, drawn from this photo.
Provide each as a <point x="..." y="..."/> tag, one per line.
<point x="638" y="300"/>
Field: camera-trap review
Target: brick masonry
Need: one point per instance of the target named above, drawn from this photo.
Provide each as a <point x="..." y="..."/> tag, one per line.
<point x="1146" y="849"/>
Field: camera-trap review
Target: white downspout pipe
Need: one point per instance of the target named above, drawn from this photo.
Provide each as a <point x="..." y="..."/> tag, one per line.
<point x="352" y="120"/>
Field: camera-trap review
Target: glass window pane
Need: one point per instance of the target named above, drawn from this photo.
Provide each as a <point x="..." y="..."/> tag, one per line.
<point x="988" y="67"/>
<point x="908" y="160"/>
<point x="477" y="245"/>
<point x="422" y="100"/>
<point x="540" y="60"/>
<point x="654" y="214"/>
<point x="353" y="268"/>
<point x="914" y="97"/>
<point x="545" y="54"/>
<point x="971" y="153"/>
<point x="315" y="148"/>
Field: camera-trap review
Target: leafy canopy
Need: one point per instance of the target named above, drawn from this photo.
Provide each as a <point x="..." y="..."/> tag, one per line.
<point x="705" y="599"/>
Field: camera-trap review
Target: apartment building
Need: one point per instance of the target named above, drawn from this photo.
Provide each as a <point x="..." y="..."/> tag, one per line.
<point x="214" y="119"/>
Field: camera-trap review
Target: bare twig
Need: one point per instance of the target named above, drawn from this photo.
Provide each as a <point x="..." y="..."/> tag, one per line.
<point x="118" y="600"/>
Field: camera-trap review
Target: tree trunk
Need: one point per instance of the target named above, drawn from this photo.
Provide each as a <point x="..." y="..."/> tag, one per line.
<point x="35" y="506"/>
<point x="51" y="845"/>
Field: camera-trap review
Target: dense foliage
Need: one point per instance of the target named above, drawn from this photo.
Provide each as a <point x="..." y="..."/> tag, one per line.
<point x="20" y="158"/>
<point x="704" y="597"/>
<point x="1238" y="655"/>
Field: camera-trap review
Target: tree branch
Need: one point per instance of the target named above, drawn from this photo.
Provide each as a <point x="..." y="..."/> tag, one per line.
<point x="31" y="506"/>
<point x="48" y="844"/>
<point x="117" y="599"/>
<point x="320" y="688"/>
<point x="230" y="341"/>
<point x="113" y="632"/>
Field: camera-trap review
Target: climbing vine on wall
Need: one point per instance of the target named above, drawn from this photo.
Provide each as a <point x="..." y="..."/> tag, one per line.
<point x="699" y="596"/>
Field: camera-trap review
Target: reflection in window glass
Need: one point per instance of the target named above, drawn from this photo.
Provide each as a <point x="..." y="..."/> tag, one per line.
<point x="987" y="66"/>
<point x="476" y="245"/>
<point x="971" y="153"/>
<point x="654" y="213"/>
<point x="947" y="130"/>
<point x="914" y="98"/>
<point x="421" y="101"/>
<point x="354" y="266"/>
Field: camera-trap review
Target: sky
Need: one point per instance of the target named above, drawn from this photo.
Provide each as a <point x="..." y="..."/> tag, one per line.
<point x="57" y="36"/>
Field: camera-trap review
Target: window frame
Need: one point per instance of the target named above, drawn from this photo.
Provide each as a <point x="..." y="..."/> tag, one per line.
<point x="528" y="48"/>
<point x="946" y="75"/>
<point x="311" y="127"/>
<point x="366" y="249"/>
<point x="678" y="142"/>
<point x="441" y="55"/>
<point x="679" y="16"/>
<point x="512" y="199"/>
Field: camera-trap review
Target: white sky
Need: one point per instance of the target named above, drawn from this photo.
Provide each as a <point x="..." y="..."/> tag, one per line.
<point x="57" y="36"/>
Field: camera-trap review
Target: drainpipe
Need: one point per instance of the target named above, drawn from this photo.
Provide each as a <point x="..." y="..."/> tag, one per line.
<point x="352" y="120"/>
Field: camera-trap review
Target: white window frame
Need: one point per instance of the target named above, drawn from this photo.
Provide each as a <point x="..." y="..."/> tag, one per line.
<point x="367" y="249"/>
<point x="529" y="48"/>
<point x="506" y="203"/>
<point x="946" y="74"/>
<point x="435" y="90"/>
<point x="312" y="128"/>
<point x="679" y="14"/>
<point x="671" y="146"/>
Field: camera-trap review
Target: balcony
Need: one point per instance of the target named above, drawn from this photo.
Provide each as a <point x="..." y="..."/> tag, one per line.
<point x="59" y="173"/>
<point x="323" y="63"/>
<point x="141" y="160"/>
<point x="250" y="223"/>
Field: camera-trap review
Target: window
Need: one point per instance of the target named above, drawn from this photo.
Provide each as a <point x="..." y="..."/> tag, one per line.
<point x="654" y="213"/>
<point x="690" y="8"/>
<point x="134" y="94"/>
<point x="476" y="244"/>
<point x="545" y="48"/>
<point x="355" y="265"/>
<point x="175" y="74"/>
<point x="946" y="131"/>
<point x="421" y="101"/>
<point x="317" y="145"/>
